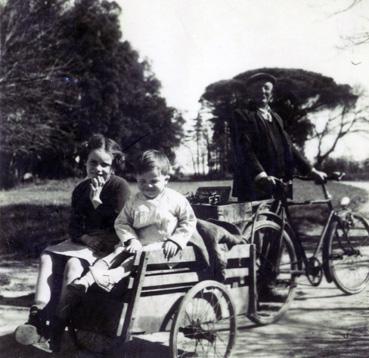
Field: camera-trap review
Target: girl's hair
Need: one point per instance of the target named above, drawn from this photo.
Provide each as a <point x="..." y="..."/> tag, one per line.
<point x="152" y="159"/>
<point x="99" y="141"/>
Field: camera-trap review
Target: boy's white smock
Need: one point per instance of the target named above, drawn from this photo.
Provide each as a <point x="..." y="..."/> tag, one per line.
<point x="168" y="216"/>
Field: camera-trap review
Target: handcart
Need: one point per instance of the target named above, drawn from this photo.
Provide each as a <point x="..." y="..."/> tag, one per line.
<point x="181" y="297"/>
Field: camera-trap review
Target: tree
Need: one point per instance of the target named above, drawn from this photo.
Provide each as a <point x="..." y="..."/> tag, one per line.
<point x="120" y="96"/>
<point x="31" y="80"/>
<point x="298" y="95"/>
<point x="335" y="125"/>
<point x="353" y="169"/>
<point x="218" y="101"/>
<point x="66" y="73"/>
<point x="201" y="153"/>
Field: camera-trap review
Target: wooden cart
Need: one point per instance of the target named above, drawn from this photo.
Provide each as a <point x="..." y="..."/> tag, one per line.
<point x="179" y="296"/>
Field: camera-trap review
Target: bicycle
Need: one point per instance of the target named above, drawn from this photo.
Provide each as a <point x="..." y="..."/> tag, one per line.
<point x="281" y="256"/>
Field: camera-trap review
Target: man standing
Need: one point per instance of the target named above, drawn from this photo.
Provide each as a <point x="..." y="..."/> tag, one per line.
<point x="262" y="149"/>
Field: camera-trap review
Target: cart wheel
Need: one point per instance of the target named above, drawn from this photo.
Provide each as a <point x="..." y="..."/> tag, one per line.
<point x="205" y="323"/>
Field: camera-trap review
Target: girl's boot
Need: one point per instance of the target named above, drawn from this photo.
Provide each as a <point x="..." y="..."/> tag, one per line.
<point x="31" y="331"/>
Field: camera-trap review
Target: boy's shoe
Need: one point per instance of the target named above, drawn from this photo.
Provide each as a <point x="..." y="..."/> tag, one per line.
<point x="30" y="332"/>
<point x="102" y="278"/>
<point x="107" y="279"/>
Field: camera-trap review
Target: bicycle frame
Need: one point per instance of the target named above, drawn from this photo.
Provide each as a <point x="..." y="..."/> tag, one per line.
<point x="300" y="249"/>
<point x="277" y="209"/>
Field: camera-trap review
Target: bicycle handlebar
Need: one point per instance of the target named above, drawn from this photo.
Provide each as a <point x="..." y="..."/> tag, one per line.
<point x="280" y="189"/>
<point x="338" y="176"/>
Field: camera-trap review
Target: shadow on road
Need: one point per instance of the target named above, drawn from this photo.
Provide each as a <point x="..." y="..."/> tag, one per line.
<point x="11" y="349"/>
<point x="138" y="347"/>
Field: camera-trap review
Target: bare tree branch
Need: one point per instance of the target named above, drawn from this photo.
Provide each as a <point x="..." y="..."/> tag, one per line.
<point x="347" y="8"/>
<point x="338" y="126"/>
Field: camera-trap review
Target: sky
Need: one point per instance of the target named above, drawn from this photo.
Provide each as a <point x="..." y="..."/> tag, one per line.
<point x="192" y="43"/>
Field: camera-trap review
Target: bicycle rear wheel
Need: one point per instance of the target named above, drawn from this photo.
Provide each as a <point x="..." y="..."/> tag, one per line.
<point x="348" y="253"/>
<point x="276" y="273"/>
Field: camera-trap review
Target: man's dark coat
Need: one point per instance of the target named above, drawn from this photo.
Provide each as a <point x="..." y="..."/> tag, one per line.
<point x="254" y="151"/>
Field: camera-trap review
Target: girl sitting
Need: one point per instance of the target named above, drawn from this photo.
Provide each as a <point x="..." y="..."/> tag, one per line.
<point x="96" y="202"/>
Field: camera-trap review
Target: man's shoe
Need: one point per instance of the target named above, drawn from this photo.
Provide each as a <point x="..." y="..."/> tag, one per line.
<point x="271" y="294"/>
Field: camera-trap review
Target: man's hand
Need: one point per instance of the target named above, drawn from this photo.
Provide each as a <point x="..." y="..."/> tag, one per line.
<point x="96" y="186"/>
<point x="318" y="176"/>
<point x="134" y="245"/>
<point x="266" y="183"/>
<point x="170" y="249"/>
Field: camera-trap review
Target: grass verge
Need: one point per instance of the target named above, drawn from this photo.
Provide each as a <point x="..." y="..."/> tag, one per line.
<point x="35" y="215"/>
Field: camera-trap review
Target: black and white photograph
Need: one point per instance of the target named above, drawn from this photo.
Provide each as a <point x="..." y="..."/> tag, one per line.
<point x="184" y="178"/>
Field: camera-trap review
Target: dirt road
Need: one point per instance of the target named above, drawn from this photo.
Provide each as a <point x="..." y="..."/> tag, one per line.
<point x="321" y="323"/>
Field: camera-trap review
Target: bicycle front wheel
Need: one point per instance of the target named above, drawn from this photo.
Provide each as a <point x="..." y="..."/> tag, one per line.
<point x="276" y="272"/>
<point x="348" y="253"/>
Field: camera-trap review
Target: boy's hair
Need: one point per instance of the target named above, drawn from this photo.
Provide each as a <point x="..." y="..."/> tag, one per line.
<point x="152" y="159"/>
<point x="99" y="141"/>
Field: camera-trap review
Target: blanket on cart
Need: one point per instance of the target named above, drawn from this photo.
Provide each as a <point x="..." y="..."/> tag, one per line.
<point x="210" y="236"/>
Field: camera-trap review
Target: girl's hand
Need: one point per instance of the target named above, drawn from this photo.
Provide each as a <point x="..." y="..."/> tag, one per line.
<point x="170" y="249"/>
<point x="96" y="186"/>
<point x="134" y="246"/>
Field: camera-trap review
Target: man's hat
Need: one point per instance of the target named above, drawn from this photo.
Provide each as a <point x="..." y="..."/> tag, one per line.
<point x="261" y="76"/>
